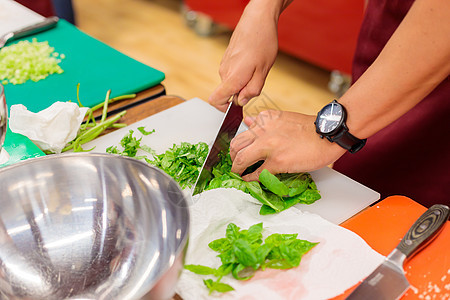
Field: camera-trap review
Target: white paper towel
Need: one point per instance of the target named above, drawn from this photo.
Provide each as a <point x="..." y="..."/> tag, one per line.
<point x="339" y="261"/>
<point x="50" y="129"/>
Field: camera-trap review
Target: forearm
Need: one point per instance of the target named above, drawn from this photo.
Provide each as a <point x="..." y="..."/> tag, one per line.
<point x="414" y="61"/>
<point x="269" y="8"/>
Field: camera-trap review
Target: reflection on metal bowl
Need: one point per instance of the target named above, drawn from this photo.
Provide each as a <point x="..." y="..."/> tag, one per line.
<point x="90" y="226"/>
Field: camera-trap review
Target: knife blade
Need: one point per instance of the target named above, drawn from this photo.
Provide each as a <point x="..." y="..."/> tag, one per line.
<point x="388" y="281"/>
<point x="46" y="24"/>
<point x="230" y="125"/>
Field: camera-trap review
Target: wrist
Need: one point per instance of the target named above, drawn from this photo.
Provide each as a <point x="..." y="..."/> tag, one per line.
<point x="331" y="124"/>
<point x="267" y="8"/>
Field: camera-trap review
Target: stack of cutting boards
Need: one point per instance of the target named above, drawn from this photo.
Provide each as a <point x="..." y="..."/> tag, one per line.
<point x="93" y="65"/>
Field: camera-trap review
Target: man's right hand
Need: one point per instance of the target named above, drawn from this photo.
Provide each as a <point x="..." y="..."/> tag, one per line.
<point x="250" y="55"/>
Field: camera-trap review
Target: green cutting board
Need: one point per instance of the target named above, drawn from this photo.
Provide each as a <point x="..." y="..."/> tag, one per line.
<point x="93" y="64"/>
<point x="19" y="147"/>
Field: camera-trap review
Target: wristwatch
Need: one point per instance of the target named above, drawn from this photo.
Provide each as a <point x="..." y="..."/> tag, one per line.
<point x="330" y="124"/>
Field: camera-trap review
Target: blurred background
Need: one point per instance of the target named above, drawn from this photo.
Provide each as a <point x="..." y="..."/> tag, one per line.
<point x="187" y="38"/>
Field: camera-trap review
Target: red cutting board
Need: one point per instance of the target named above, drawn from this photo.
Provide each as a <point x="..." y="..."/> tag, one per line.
<point x="383" y="225"/>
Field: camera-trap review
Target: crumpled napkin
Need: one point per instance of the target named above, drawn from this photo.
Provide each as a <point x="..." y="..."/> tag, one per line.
<point x="50" y="129"/>
<point x="338" y="262"/>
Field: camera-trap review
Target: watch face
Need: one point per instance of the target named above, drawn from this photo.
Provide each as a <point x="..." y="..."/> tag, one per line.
<point x="329" y="118"/>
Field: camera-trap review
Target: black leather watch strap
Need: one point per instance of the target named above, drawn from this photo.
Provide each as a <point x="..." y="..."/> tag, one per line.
<point x="348" y="141"/>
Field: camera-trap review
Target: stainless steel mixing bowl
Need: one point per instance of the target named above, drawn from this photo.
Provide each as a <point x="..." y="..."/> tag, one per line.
<point x="90" y="226"/>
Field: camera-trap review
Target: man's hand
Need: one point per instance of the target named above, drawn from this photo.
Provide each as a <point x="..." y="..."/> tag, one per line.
<point x="250" y="55"/>
<point x="287" y="143"/>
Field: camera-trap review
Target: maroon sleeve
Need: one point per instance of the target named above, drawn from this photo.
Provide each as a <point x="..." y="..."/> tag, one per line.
<point x="411" y="156"/>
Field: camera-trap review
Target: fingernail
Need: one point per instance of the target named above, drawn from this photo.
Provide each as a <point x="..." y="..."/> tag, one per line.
<point x="243" y="101"/>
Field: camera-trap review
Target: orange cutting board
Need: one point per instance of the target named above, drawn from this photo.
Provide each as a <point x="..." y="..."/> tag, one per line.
<point x="383" y="225"/>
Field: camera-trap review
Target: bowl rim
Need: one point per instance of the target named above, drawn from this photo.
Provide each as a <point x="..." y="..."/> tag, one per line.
<point x="183" y="243"/>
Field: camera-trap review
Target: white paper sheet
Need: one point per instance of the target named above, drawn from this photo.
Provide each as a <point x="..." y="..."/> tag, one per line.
<point x="339" y="261"/>
<point x="50" y="129"/>
<point x="14" y="16"/>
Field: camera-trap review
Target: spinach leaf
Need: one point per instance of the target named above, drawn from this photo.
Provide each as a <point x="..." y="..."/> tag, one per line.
<point x="297" y="183"/>
<point x="309" y="196"/>
<point x="273" y="184"/>
<point x="268" y="199"/>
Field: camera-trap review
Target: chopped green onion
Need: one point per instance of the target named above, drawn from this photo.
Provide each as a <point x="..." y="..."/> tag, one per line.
<point x="28" y="61"/>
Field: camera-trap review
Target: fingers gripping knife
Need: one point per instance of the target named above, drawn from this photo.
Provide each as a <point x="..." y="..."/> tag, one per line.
<point x="388" y="281"/>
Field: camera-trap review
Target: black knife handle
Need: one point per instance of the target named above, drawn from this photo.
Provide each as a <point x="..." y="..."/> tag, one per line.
<point x="424" y="230"/>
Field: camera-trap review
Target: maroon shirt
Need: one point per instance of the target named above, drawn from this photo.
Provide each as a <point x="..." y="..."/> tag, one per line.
<point x="411" y="156"/>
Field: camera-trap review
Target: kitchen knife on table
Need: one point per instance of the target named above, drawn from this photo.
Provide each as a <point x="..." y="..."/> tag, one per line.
<point x="46" y="24"/>
<point x="227" y="131"/>
<point x="388" y="281"/>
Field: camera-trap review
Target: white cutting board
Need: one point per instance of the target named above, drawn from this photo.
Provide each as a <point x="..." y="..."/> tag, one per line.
<point x="195" y="120"/>
<point x="14" y="16"/>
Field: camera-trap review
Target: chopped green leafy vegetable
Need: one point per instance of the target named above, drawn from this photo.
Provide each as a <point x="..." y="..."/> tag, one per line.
<point x="144" y="132"/>
<point x="28" y="61"/>
<point x="183" y="162"/>
<point x="243" y="252"/>
<point x="275" y="192"/>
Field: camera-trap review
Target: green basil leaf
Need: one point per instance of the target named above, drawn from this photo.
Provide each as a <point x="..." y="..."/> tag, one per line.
<point x="242" y="272"/>
<point x="227" y="257"/>
<point x="309" y="196"/>
<point x="209" y="284"/>
<point x="297" y="183"/>
<point x="273" y="184"/>
<point x="224" y="270"/>
<point x="271" y="200"/>
<point x="289" y="202"/>
<point x="266" y="210"/>
<point x="232" y="232"/>
<point x="262" y="252"/>
<point x="201" y="270"/>
<point x="144" y="132"/>
<point x="220" y="287"/>
<point x="253" y="234"/>
<point x="244" y="253"/>
<point x="277" y="239"/>
<point x="220" y="245"/>
<point x="279" y="263"/>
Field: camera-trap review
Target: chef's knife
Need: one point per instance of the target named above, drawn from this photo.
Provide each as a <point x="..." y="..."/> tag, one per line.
<point x="227" y="131"/>
<point x="388" y="281"/>
<point x="46" y="24"/>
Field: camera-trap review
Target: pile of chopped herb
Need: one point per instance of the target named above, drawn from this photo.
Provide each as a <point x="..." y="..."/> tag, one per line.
<point x="242" y="253"/>
<point x="183" y="163"/>
<point x="28" y="61"/>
